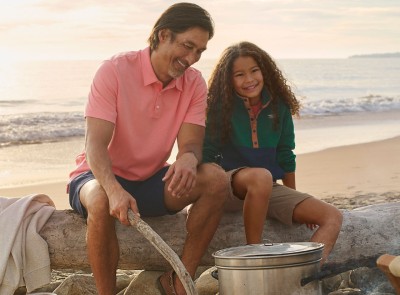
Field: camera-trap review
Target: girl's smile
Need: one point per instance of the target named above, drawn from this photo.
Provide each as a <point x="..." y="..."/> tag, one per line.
<point x="248" y="80"/>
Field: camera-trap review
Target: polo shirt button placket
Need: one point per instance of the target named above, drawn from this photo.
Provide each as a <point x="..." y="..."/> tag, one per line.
<point x="157" y="111"/>
<point x="157" y="107"/>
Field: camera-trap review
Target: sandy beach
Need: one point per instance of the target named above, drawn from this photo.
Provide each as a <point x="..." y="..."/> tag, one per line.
<point x="348" y="176"/>
<point x="352" y="176"/>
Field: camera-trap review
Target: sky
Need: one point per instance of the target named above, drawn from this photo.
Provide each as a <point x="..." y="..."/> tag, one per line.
<point x="97" y="29"/>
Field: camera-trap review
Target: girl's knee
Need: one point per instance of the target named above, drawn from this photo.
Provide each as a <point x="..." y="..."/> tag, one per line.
<point x="336" y="216"/>
<point x="333" y="216"/>
<point x="258" y="175"/>
<point x="260" y="179"/>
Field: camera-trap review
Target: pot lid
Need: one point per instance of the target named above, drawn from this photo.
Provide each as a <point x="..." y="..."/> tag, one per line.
<point x="271" y="249"/>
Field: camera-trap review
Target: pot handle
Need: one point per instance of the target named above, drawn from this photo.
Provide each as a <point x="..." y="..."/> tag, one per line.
<point x="318" y="276"/>
<point x="330" y="270"/>
<point x="214" y="274"/>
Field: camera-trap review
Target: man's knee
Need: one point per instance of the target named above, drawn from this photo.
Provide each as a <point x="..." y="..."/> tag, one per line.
<point x="94" y="198"/>
<point x="213" y="178"/>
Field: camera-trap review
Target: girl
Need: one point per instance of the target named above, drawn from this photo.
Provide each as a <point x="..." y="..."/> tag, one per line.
<point x="250" y="133"/>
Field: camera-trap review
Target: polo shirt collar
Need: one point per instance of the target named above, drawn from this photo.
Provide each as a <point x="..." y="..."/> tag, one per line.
<point x="149" y="77"/>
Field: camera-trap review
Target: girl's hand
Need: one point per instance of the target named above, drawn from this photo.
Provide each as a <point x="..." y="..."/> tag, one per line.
<point x="312" y="226"/>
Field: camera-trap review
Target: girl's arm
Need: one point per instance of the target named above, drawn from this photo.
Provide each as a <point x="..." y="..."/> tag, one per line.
<point x="285" y="155"/>
<point x="211" y="146"/>
<point x="289" y="180"/>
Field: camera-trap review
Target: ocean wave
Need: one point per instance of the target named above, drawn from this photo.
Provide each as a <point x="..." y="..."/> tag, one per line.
<point x="15" y="103"/>
<point x="55" y="126"/>
<point x="40" y="127"/>
<point x="369" y="103"/>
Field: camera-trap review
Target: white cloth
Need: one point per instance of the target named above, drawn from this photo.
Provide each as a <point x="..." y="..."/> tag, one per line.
<point x="24" y="254"/>
<point x="394" y="266"/>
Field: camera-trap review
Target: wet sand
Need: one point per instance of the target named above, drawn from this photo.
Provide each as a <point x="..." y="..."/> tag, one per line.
<point x="347" y="176"/>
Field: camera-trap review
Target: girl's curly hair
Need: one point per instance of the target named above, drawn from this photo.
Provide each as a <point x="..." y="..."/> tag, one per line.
<point x="221" y="91"/>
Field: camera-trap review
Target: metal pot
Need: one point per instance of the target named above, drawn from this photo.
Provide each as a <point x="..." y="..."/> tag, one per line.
<point x="264" y="269"/>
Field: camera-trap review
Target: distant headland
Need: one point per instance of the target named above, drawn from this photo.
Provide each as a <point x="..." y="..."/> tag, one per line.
<point x="377" y="55"/>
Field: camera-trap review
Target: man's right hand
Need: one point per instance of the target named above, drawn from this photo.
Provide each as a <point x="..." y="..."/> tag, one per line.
<point x="119" y="202"/>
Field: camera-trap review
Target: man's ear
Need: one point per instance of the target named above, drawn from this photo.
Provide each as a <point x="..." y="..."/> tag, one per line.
<point x="164" y="34"/>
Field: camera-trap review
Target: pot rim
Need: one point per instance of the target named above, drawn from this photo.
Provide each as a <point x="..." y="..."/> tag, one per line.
<point x="308" y="248"/>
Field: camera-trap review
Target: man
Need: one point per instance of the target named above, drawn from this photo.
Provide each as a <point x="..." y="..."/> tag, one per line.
<point x="139" y="104"/>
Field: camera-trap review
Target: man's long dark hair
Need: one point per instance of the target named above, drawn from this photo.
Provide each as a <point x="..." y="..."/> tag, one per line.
<point x="180" y="17"/>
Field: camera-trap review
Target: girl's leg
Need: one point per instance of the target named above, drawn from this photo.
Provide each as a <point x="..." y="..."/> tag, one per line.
<point x="327" y="217"/>
<point x="254" y="186"/>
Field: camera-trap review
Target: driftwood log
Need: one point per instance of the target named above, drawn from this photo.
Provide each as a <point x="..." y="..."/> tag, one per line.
<point x="367" y="233"/>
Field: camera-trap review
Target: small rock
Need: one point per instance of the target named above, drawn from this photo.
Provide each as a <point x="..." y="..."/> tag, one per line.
<point x="206" y="284"/>
<point x="334" y="283"/>
<point x="123" y="281"/>
<point x="145" y="283"/>
<point x="77" y="285"/>
<point x="346" y="291"/>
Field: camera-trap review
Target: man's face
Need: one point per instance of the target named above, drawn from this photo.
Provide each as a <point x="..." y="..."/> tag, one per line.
<point x="179" y="51"/>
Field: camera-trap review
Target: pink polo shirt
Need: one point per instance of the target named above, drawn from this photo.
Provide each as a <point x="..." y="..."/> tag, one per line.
<point x="147" y="117"/>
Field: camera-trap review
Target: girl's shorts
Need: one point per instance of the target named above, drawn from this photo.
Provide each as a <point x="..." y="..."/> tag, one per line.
<point x="282" y="202"/>
<point x="149" y="194"/>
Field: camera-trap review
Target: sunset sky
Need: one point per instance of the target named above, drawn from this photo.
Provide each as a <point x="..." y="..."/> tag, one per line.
<point x="96" y="29"/>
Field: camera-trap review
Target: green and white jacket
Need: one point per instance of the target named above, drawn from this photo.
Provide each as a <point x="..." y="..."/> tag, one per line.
<point x="254" y="141"/>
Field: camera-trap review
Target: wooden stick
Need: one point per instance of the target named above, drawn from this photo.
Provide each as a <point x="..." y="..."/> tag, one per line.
<point x="165" y="251"/>
<point x="383" y="264"/>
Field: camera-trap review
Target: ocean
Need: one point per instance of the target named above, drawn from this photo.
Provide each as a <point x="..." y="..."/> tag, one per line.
<point x="345" y="101"/>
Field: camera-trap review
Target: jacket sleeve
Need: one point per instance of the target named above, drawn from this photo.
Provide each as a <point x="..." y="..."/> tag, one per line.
<point x="211" y="147"/>
<point x="285" y="155"/>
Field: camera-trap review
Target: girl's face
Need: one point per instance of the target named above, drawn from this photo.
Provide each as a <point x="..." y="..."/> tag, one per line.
<point x="247" y="78"/>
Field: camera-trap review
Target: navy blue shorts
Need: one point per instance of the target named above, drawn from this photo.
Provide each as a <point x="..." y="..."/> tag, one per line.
<point x="149" y="194"/>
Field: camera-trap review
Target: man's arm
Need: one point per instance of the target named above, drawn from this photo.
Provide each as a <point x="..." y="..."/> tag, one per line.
<point x="98" y="136"/>
<point x="190" y="140"/>
<point x="183" y="172"/>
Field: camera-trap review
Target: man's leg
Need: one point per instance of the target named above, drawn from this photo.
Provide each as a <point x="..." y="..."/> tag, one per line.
<point x="101" y="239"/>
<point x="327" y="217"/>
<point x="208" y="198"/>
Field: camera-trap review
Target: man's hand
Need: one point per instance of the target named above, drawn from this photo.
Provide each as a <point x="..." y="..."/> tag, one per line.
<point x="182" y="174"/>
<point x="119" y="202"/>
